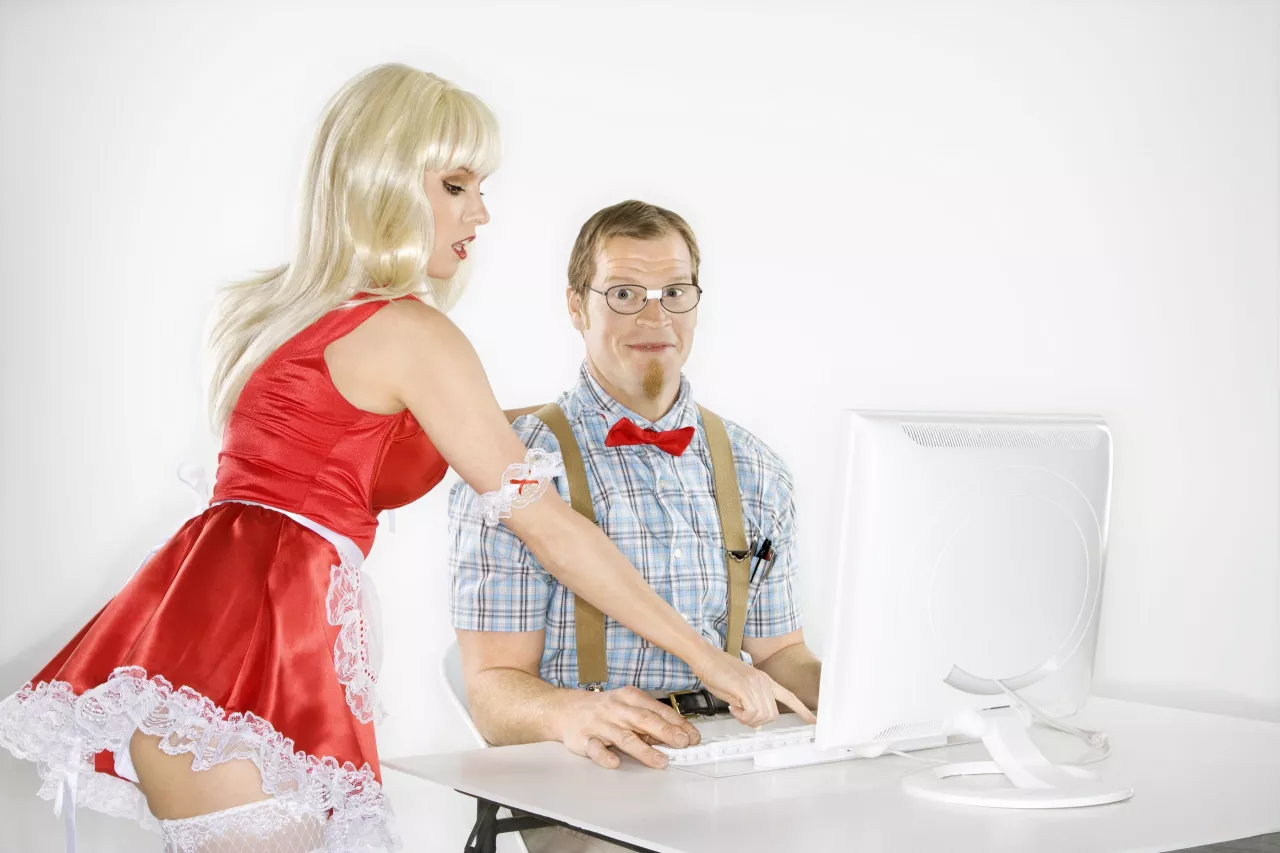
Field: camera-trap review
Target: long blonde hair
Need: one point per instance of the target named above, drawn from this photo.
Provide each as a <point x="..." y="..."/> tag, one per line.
<point x="364" y="225"/>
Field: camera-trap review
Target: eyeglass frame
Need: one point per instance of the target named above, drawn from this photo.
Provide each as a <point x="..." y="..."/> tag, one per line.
<point x="648" y="294"/>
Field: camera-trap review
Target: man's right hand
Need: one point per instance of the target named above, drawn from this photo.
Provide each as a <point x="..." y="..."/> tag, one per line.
<point x="626" y="719"/>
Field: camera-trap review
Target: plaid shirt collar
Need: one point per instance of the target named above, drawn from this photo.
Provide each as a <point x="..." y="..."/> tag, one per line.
<point x="588" y="396"/>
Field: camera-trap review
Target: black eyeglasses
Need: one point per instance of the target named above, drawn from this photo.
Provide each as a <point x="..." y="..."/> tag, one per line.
<point x="631" y="298"/>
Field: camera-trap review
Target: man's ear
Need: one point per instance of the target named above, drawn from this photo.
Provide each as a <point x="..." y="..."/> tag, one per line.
<point x="577" y="310"/>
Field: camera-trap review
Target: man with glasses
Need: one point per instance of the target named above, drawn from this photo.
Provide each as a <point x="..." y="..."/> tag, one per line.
<point x="647" y="453"/>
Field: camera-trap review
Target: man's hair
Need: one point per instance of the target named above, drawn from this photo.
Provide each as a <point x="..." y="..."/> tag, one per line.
<point x="637" y="220"/>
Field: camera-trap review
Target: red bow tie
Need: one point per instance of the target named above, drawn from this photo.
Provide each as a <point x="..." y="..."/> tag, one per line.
<point x="625" y="432"/>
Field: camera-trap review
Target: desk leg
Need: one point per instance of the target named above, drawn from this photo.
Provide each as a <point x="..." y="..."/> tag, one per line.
<point x="484" y="835"/>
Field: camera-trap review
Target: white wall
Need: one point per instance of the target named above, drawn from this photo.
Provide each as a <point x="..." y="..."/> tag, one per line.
<point x="1012" y="206"/>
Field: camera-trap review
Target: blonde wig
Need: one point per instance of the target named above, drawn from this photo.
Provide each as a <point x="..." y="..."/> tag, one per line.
<point x="364" y="223"/>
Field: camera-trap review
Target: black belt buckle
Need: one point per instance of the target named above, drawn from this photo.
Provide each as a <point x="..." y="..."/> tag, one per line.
<point x="695" y="703"/>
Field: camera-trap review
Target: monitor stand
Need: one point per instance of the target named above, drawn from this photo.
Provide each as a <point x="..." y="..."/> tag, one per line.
<point x="1036" y="782"/>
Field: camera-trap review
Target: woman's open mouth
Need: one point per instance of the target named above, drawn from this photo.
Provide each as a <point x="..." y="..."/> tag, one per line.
<point x="460" y="247"/>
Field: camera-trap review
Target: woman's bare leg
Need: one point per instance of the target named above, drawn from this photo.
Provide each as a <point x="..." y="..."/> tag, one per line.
<point x="219" y="810"/>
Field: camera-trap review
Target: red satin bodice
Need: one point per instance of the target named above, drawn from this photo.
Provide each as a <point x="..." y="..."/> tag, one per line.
<point x="294" y="442"/>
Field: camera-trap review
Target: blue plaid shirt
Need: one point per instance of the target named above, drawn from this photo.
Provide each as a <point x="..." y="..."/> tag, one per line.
<point x="660" y="510"/>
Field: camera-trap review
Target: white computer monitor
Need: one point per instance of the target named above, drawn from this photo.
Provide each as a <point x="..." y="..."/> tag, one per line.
<point x="969" y="560"/>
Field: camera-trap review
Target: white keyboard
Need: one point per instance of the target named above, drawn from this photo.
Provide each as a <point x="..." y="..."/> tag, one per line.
<point x="747" y="744"/>
<point x="776" y="748"/>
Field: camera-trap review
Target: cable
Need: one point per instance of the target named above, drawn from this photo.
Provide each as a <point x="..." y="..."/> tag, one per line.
<point x="931" y="761"/>
<point x="1096" y="740"/>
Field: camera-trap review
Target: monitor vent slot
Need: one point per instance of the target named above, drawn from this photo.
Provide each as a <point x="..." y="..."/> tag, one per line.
<point x="1060" y="437"/>
<point x="909" y="731"/>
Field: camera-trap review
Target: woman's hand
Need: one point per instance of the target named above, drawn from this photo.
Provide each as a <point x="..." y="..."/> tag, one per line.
<point x="752" y="695"/>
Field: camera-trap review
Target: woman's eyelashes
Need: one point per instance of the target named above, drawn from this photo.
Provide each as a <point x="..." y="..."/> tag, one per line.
<point x="455" y="189"/>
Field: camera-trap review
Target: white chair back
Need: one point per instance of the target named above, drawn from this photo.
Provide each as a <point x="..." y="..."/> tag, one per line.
<point x="456" y="689"/>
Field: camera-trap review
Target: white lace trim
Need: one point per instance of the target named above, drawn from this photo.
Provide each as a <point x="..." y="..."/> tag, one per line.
<point x="61" y="732"/>
<point x="522" y="484"/>
<point x="351" y="658"/>
<point x="109" y="795"/>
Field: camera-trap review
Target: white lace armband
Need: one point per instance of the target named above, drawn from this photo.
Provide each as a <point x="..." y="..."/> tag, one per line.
<point x="522" y="484"/>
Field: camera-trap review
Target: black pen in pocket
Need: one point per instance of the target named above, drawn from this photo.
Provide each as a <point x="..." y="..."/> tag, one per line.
<point x="769" y="560"/>
<point x="765" y="547"/>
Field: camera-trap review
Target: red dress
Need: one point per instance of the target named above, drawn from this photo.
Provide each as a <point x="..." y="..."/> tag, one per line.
<point x="241" y="636"/>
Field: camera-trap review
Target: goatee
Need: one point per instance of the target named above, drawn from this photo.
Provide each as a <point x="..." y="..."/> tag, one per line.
<point x="654" y="380"/>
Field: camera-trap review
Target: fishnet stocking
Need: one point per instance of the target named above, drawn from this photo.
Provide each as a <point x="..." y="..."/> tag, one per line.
<point x="263" y="827"/>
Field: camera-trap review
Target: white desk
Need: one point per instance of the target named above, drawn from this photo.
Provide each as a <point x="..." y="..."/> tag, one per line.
<point x="1198" y="779"/>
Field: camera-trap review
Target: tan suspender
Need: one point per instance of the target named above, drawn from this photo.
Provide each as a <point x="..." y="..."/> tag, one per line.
<point x="593" y="670"/>
<point x="729" y="504"/>
<point x="588" y="621"/>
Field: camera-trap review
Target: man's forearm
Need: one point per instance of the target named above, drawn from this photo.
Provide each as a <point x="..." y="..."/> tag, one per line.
<point x="796" y="669"/>
<point x="510" y="706"/>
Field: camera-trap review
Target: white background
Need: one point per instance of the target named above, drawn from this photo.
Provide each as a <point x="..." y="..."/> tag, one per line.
<point x="1041" y="207"/>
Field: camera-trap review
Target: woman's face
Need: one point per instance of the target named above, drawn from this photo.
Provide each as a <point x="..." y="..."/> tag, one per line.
<point x="458" y="208"/>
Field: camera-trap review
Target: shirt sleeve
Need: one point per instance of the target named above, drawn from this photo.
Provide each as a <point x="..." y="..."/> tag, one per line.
<point x="775" y="610"/>
<point x="496" y="584"/>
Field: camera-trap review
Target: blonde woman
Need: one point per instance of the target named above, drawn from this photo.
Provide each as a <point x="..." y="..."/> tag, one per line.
<point x="227" y="690"/>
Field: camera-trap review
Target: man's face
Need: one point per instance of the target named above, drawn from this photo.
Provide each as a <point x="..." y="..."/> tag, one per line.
<point x="637" y="356"/>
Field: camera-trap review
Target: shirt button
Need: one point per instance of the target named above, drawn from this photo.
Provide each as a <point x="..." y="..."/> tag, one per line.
<point x="676" y="554"/>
